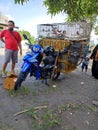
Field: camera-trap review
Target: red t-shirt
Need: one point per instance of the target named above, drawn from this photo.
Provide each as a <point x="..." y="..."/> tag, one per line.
<point x="10" y="41"/>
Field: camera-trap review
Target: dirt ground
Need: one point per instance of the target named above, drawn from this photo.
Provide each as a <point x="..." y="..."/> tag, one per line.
<point x="69" y="98"/>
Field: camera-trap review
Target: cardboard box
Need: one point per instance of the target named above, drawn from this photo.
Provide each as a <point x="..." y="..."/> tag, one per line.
<point x="9" y="82"/>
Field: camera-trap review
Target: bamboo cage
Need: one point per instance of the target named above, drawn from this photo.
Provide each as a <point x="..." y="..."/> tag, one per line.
<point x="60" y="36"/>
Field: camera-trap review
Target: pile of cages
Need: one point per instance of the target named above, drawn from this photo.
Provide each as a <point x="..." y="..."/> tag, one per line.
<point x="69" y="31"/>
<point x="60" y="36"/>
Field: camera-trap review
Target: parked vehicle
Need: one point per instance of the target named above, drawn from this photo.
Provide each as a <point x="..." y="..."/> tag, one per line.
<point x="63" y="47"/>
<point x="37" y="65"/>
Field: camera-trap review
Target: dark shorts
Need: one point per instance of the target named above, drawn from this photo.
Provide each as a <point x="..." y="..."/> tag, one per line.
<point x="11" y="55"/>
<point x="84" y="66"/>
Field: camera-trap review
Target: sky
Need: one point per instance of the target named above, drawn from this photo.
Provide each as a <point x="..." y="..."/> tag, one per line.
<point x="28" y="15"/>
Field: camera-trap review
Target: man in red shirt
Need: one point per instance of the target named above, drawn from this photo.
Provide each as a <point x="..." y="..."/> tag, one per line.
<point x="12" y="41"/>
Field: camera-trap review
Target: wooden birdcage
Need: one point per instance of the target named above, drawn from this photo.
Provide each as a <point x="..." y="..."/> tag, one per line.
<point x="62" y="35"/>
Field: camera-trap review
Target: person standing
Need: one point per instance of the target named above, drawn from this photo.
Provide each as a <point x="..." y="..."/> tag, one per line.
<point x="94" y="57"/>
<point x="85" y="63"/>
<point x="12" y="41"/>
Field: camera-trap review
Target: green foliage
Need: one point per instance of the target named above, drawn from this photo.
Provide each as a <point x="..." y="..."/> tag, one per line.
<point x="76" y="9"/>
<point x="24" y="90"/>
<point x="32" y="39"/>
<point x="45" y="120"/>
<point x="20" y="1"/>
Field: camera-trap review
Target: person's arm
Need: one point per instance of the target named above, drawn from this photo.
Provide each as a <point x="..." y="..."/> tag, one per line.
<point x="1" y="36"/>
<point x="2" y="40"/>
<point x="20" y="45"/>
<point x="20" y="48"/>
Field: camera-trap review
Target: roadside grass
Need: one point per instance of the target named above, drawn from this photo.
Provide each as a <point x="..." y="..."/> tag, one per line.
<point x="68" y="107"/>
<point x="93" y="108"/>
<point x="24" y="90"/>
<point x="72" y="107"/>
<point x="45" y="120"/>
<point x="50" y="119"/>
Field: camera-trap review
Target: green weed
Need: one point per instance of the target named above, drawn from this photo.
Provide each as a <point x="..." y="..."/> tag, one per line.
<point x="68" y="106"/>
<point x="93" y="108"/>
<point x="45" y="120"/>
<point x="24" y="90"/>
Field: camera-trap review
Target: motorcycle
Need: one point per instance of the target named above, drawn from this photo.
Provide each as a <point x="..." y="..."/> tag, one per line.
<point x="37" y="65"/>
<point x="49" y="67"/>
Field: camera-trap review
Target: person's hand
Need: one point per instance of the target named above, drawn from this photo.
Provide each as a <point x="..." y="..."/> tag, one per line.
<point x="91" y="57"/>
<point x="20" y="52"/>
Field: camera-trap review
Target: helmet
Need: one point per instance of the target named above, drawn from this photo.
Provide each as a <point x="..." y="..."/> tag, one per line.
<point x="48" y="50"/>
<point x="36" y="48"/>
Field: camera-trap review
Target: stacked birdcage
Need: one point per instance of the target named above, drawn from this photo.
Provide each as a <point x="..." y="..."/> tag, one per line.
<point x="60" y="36"/>
<point x="69" y="31"/>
